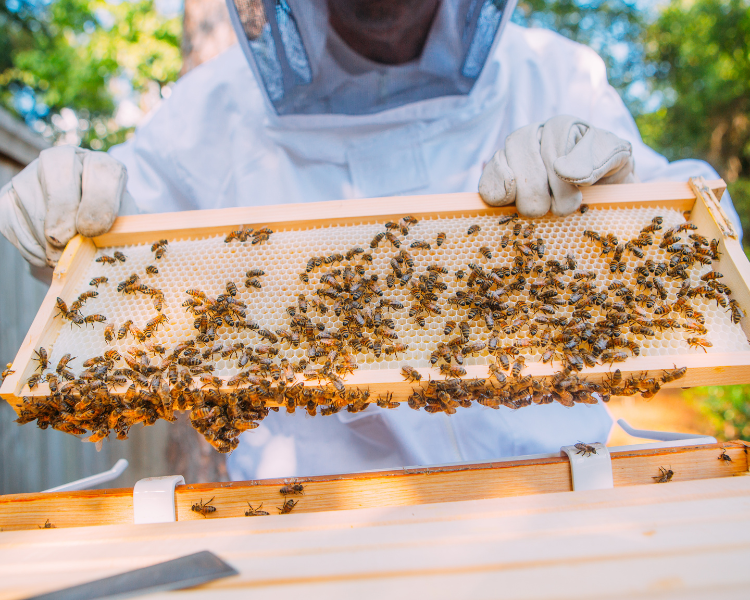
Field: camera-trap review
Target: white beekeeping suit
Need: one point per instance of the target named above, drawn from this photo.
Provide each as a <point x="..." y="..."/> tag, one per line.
<point x="333" y="125"/>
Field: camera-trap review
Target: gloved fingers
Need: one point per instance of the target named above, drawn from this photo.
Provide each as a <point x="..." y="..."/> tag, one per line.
<point x="559" y="136"/>
<point x="532" y="190"/>
<point x="17" y="229"/>
<point x="625" y="175"/>
<point x="597" y="154"/>
<point x="102" y="186"/>
<point x="497" y="186"/>
<point x="60" y="172"/>
<point x="53" y="254"/>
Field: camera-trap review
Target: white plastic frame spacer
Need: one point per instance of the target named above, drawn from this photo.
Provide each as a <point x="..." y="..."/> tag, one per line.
<point x="153" y="499"/>
<point x="590" y="471"/>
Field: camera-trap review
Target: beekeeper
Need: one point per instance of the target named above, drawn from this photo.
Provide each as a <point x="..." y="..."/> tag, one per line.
<point x="332" y="99"/>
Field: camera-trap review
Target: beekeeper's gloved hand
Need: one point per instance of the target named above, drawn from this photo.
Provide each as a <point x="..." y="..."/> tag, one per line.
<point x="67" y="190"/>
<point x="543" y="165"/>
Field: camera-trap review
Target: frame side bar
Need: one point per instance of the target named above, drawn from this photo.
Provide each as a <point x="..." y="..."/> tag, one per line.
<point x="76" y="258"/>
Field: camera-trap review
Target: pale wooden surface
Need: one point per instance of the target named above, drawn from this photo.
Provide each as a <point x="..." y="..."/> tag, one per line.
<point x="72" y="265"/>
<point x="683" y="540"/>
<point x="402" y="487"/>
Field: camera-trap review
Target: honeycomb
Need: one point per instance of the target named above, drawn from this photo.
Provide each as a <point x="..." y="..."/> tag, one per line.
<point x="209" y="263"/>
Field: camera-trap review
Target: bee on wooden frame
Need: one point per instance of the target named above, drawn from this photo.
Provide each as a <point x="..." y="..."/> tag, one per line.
<point x="292" y="488"/>
<point x="665" y="475"/>
<point x="203" y="508"/>
<point x="287" y="507"/>
<point x="255" y="512"/>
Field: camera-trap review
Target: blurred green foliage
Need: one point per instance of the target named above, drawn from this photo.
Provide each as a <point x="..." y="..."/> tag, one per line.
<point x="700" y="54"/>
<point x="726" y="410"/>
<point x="614" y="28"/>
<point x="78" y="59"/>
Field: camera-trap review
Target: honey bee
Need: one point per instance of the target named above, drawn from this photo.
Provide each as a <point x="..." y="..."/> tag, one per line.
<point x="724" y="456"/>
<point x="440" y="239"/>
<point x="253" y="282"/>
<point x="152" y="270"/>
<point x="420" y="244"/>
<point x="106" y="260"/>
<point x="669" y="376"/>
<point x="264" y="333"/>
<point x="392" y="239"/>
<point x="7" y="372"/>
<point x="410" y="373"/>
<point x="47" y="525"/>
<point x="460" y="274"/>
<point x="153" y="324"/>
<point x="255" y="512"/>
<point x="696" y="342"/>
<point x="449" y="327"/>
<point x="452" y="371"/>
<point x="34" y="380"/>
<point x="262" y="235"/>
<point x="94" y="319"/>
<point x="585" y="449"/>
<point x="203" y="508"/>
<point x="287" y="507"/>
<point x="737" y="312"/>
<point x="42" y="359"/>
<point x="302" y="303"/>
<point x="120" y="256"/>
<point x="584" y="208"/>
<point x="231" y="288"/>
<point x="518" y="366"/>
<point x="486" y="252"/>
<point x="293" y="488"/>
<point x="613" y="357"/>
<point x="665" y="475"/>
<point x="714" y="247"/>
<point x="97" y="281"/>
<point x="507" y="219"/>
<point x="473" y="230"/>
<point x="354" y="252"/>
<point x="594" y="236"/>
<point x="159" y="248"/>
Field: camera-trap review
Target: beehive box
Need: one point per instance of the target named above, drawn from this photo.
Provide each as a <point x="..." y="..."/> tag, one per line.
<point x="198" y="257"/>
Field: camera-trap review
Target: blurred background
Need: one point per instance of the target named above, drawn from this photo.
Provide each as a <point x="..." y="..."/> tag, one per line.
<point x="87" y="72"/>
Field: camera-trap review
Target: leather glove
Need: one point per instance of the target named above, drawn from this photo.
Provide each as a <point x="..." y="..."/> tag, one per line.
<point x="543" y="166"/>
<point x="65" y="191"/>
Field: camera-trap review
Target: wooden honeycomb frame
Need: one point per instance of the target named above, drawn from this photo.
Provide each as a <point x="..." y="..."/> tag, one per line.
<point x="698" y="196"/>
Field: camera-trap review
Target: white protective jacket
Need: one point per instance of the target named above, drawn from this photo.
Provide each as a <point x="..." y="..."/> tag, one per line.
<point x="213" y="145"/>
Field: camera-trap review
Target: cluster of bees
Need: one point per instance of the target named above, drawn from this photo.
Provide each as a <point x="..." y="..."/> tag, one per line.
<point x="249" y="234"/>
<point x="556" y="312"/>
